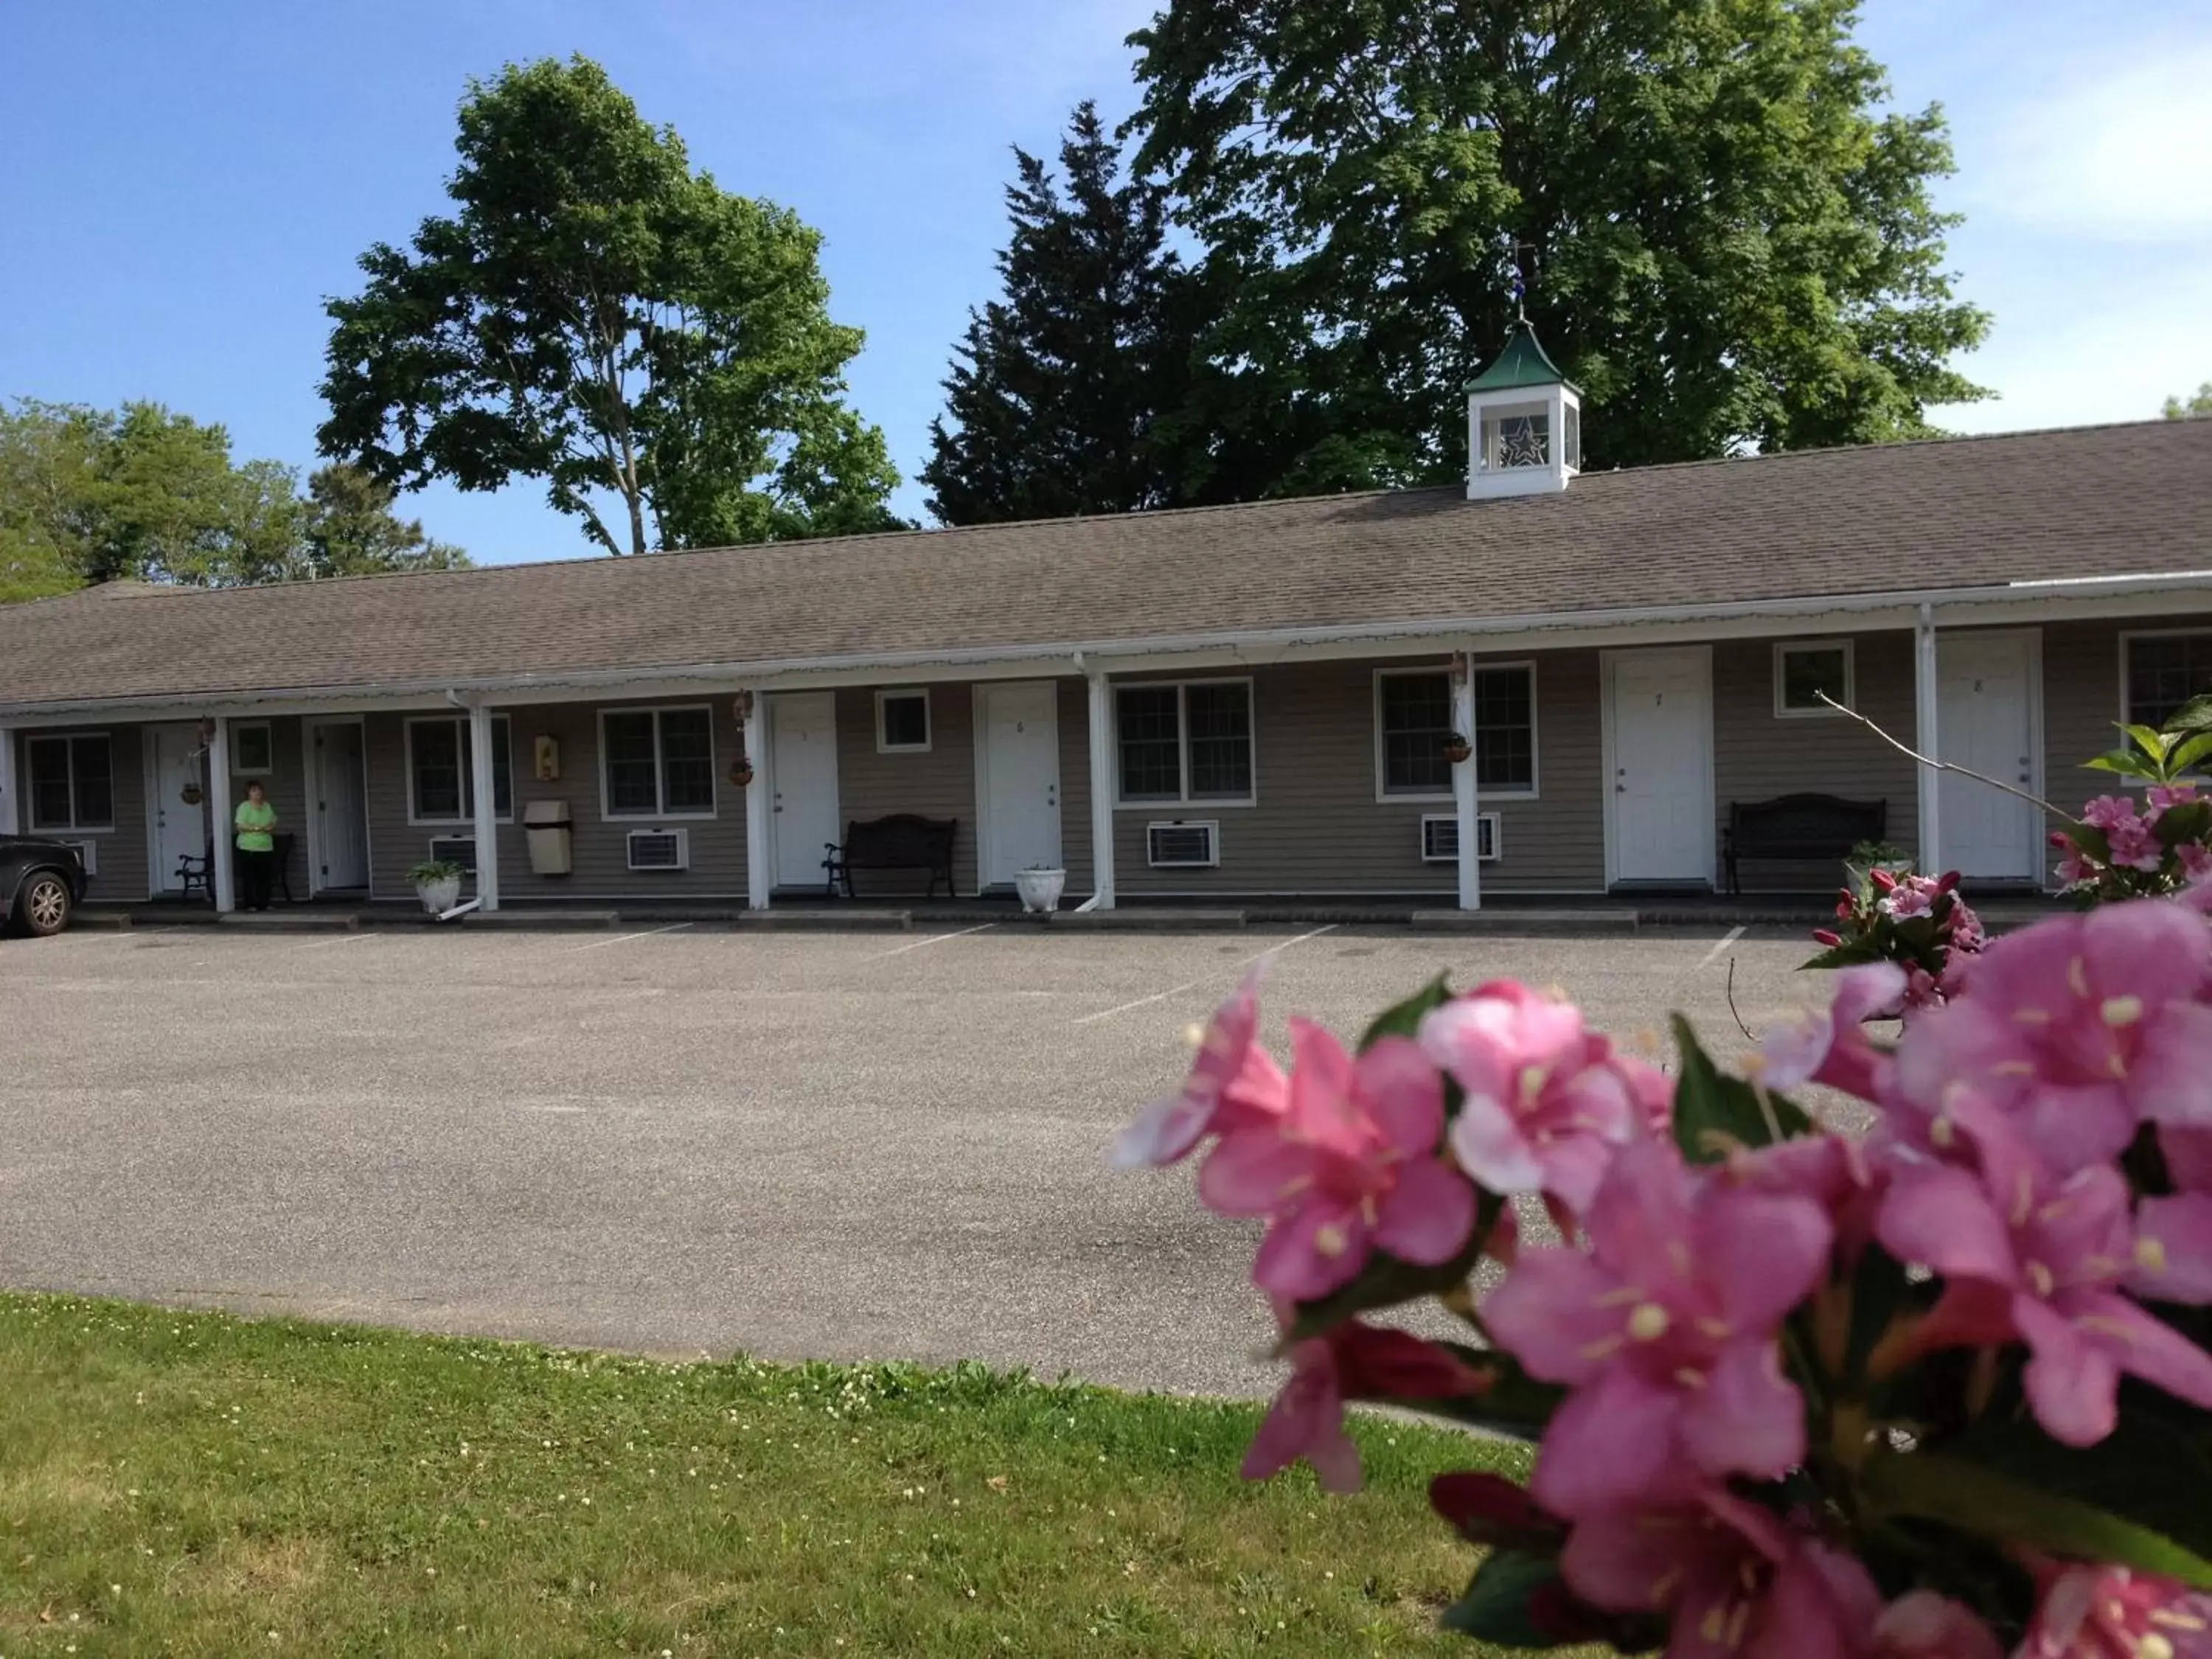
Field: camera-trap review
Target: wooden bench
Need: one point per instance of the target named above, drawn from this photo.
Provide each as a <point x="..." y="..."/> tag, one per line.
<point x="1799" y="827"/>
<point x="904" y="841"/>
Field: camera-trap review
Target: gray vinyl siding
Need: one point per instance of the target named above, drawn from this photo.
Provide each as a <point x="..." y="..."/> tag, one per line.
<point x="937" y="782"/>
<point x="1758" y="754"/>
<point x="121" y="852"/>
<point x="600" y="847"/>
<point x="1315" y="826"/>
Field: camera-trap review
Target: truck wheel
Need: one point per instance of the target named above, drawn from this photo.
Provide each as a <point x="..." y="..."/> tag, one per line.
<point x="43" y="906"/>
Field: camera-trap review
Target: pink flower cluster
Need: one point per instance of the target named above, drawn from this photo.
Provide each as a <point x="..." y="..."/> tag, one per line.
<point x="1921" y="923"/>
<point x="2118" y="853"/>
<point x="2042" y="1154"/>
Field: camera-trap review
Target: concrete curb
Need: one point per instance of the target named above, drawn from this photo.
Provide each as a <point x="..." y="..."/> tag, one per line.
<point x="1151" y="921"/>
<point x="1542" y="924"/>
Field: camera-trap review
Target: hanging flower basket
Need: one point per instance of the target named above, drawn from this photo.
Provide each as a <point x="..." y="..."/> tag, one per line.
<point x="1457" y="749"/>
<point x="741" y="772"/>
<point x="192" y="794"/>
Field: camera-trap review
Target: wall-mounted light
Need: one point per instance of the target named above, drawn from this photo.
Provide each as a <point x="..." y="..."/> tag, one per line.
<point x="742" y="706"/>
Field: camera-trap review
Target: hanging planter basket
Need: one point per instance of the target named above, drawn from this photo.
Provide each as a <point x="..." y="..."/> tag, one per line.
<point x="741" y="773"/>
<point x="192" y="794"/>
<point x="1457" y="749"/>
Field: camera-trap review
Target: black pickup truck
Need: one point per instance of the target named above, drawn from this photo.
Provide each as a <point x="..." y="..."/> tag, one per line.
<point x="41" y="883"/>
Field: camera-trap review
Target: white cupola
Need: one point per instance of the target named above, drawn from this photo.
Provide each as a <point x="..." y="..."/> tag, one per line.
<point x="1524" y="423"/>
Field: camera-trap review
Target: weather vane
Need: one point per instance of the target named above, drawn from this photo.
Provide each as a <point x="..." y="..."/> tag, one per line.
<point x="1510" y="250"/>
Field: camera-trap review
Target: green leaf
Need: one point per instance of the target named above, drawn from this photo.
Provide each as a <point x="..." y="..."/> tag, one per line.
<point x="1405" y="1018"/>
<point x="2185" y="758"/>
<point x="2191" y="821"/>
<point x="2091" y="841"/>
<point x="2122" y="761"/>
<point x="1496" y="1606"/>
<point x="2153" y="1469"/>
<point x="2153" y="745"/>
<point x="1386" y="1281"/>
<point x="1714" y="1110"/>
<point x="1992" y="1503"/>
<point x="1848" y="954"/>
<point x="2195" y="715"/>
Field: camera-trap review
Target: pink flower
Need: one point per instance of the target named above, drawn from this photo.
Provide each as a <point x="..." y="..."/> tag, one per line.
<point x="1545" y="1102"/>
<point x="2195" y="861"/>
<point x="2133" y="846"/>
<point x="2079" y="1026"/>
<point x="1233" y="1085"/>
<point x="2108" y="812"/>
<point x="2163" y="795"/>
<point x="1349" y="1166"/>
<point x="2114" y="1612"/>
<point x="1829" y="1045"/>
<point x="1665" y="1333"/>
<point x="1351" y="1361"/>
<point x="1914" y="896"/>
<point x="1735" y="1583"/>
<point x="2076" y="869"/>
<point x="2025" y="1253"/>
<point x="1922" y="1625"/>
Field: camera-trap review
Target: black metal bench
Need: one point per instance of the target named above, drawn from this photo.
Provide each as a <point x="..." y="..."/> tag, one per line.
<point x="1806" y="827"/>
<point x="904" y="841"/>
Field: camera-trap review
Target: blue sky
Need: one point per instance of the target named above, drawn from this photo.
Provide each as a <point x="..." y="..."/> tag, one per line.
<point x="181" y="185"/>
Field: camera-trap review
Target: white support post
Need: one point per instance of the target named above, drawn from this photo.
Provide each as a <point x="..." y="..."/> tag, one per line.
<point x="1463" y="796"/>
<point x="1928" y="739"/>
<point x="12" y="815"/>
<point x="487" y="806"/>
<point x="223" y="849"/>
<point x="1101" y="792"/>
<point x="758" y="802"/>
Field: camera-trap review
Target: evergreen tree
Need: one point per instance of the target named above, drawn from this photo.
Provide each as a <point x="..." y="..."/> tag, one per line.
<point x="1058" y="391"/>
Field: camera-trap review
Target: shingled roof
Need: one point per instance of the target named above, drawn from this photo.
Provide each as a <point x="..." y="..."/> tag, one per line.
<point x="1915" y="517"/>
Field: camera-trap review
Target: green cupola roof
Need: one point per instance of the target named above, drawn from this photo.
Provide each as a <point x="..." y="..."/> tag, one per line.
<point x="1522" y="363"/>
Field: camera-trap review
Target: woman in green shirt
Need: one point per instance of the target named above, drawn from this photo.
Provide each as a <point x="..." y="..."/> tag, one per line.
<point x="257" y="847"/>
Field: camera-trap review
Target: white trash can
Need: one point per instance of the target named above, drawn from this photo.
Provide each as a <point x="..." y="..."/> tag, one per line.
<point x="551" y="834"/>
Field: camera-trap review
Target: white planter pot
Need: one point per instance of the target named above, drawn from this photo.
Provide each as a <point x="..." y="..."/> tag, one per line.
<point x="1039" y="889"/>
<point x="439" y="896"/>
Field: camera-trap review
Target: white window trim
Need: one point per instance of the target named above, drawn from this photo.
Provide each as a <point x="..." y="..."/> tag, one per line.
<point x="2127" y="642"/>
<point x="640" y="820"/>
<point x="1153" y="803"/>
<point x="31" y="826"/>
<point x="1783" y="647"/>
<point x="1385" y="796"/>
<point x="269" y="738"/>
<point x="415" y="820"/>
<point x="883" y="746"/>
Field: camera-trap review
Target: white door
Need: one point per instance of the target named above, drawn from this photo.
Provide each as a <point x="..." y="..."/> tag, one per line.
<point x="1985" y="722"/>
<point x="803" y="772"/>
<point x="175" y="828"/>
<point x="341" y="808"/>
<point x="1662" y="761"/>
<point x="1019" y="724"/>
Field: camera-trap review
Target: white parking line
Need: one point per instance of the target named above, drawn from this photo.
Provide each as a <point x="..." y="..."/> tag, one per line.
<point x="1723" y="944"/>
<point x="934" y="938"/>
<point x="1176" y="991"/>
<point x="342" y="939"/>
<point x="620" y="938"/>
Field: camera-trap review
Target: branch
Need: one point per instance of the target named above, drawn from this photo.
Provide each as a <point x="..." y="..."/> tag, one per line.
<point x="1946" y="766"/>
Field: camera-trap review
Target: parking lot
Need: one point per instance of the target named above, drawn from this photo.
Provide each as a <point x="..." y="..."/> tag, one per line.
<point x="683" y="1141"/>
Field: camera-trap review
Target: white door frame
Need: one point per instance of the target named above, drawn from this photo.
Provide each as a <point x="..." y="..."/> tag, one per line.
<point x="773" y="703"/>
<point x="149" y="761"/>
<point x="312" y="767"/>
<point x="979" y="721"/>
<point x="2038" y="871"/>
<point x="1607" y="661"/>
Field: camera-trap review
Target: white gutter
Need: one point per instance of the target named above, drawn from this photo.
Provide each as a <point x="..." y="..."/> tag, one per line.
<point x="515" y="687"/>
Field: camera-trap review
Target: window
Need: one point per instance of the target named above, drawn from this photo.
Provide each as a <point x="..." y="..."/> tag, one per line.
<point x="901" y="721"/>
<point x="2162" y="672"/>
<point x="252" y="751"/>
<point x="1413" y="718"/>
<point x="659" y="762"/>
<point x="1518" y="436"/>
<point x="72" y="783"/>
<point x="1191" y="742"/>
<point x="1803" y="669"/>
<point x="441" y="785"/>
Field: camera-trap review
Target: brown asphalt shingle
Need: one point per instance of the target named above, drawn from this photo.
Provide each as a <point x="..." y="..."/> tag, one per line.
<point x="2108" y="501"/>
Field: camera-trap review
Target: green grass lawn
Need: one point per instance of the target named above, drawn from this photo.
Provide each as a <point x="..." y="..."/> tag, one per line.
<point x="188" y="1484"/>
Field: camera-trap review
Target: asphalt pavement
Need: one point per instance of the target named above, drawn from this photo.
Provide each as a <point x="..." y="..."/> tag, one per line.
<point x="683" y="1141"/>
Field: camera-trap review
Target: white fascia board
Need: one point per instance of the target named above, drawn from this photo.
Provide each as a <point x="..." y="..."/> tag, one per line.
<point x="1987" y="604"/>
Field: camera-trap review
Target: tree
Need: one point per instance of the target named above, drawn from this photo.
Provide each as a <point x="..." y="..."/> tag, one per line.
<point x="598" y="316"/>
<point x="2198" y="406"/>
<point x="351" y="529"/>
<point x="1729" y="243"/>
<point x="144" y="494"/>
<point x="1059" y="386"/>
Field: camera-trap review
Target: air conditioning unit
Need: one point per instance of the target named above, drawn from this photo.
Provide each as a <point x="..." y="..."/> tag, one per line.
<point x="456" y="850"/>
<point x="1440" y="838"/>
<point x="88" y="851"/>
<point x="660" y="849"/>
<point x="1183" y="845"/>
